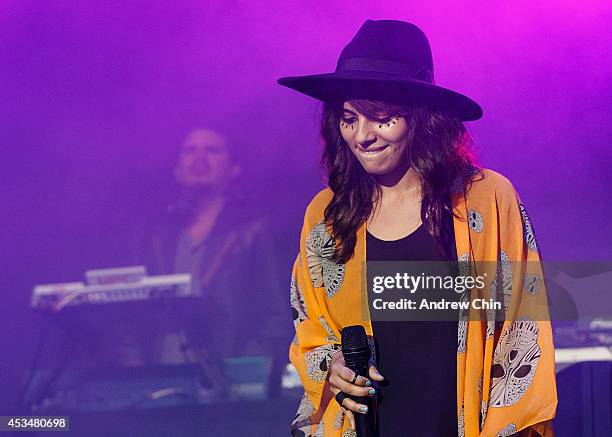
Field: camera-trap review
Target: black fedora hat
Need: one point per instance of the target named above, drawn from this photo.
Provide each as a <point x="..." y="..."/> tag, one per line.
<point x="386" y="60"/>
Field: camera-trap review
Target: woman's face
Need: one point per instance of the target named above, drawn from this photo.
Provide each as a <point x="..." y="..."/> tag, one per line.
<point x="380" y="145"/>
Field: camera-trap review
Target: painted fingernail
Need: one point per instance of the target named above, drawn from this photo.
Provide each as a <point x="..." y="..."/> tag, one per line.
<point x="372" y="392"/>
<point x="363" y="409"/>
<point x="368" y="383"/>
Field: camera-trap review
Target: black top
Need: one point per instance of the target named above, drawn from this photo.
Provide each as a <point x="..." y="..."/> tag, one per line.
<point x="417" y="359"/>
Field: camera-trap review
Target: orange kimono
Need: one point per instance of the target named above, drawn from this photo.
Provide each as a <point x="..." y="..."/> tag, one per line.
<point x="505" y="371"/>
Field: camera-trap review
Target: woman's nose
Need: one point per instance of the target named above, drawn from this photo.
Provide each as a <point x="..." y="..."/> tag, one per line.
<point x="366" y="135"/>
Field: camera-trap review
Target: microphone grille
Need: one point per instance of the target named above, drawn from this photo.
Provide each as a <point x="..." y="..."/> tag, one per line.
<point x="354" y="337"/>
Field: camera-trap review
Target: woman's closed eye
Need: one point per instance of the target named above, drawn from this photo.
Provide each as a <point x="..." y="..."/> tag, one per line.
<point x="347" y="121"/>
<point x="386" y="121"/>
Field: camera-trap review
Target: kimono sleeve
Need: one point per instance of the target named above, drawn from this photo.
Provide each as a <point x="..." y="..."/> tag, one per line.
<point x="310" y="352"/>
<point x="522" y="395"/>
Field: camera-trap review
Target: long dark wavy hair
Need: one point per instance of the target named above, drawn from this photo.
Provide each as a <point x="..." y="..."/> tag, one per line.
<point x="440" y="151"/>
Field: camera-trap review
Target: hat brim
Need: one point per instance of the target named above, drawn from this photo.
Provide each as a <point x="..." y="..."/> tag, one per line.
<point x="349" y="85"/>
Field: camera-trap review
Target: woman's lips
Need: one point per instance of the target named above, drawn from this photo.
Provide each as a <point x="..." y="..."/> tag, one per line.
<point x="371" y="151"/>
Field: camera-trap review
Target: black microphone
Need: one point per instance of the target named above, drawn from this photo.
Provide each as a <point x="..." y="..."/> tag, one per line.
<point x="356" y="352"/>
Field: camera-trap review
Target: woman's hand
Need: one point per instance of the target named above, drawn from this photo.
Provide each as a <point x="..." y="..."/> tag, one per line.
<point x="340" y="379"/>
